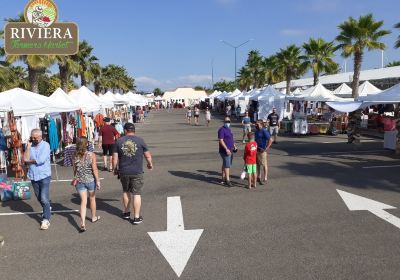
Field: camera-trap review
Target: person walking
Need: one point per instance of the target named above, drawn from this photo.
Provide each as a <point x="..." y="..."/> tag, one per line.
<point x="189" y="116"/>
<point x="208" y="116"/>
<point x="250" y="160"/>
<point x="238" y="112"/>
<point x="37" y="157"/>
<point x="86" y="180"/>
<point x="196" y="115"/>
<point x="107" y="136"/>
<point x="226" y="148"/>
<point x="274" y="126"/>
<point x="246" y="123"/>
<point x="264" y="142"/>
<point x="128" y="165"/>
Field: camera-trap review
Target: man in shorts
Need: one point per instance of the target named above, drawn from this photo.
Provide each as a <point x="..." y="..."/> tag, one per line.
<point x="226" y="149"/>
<point x="107" y="136"/>
<point x="128" y="164"/>
<point x="273" y="120"/>
<point x="264" y="142"/>
<point x="246" y="123"/>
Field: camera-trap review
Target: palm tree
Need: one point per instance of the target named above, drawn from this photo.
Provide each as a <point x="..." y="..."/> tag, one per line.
<point x="67" y="67"/>
<point x="245" y="80"/>
<point x="86" y="62"/>
<point x="272" y="76"/>
<point x="255" y="67"/>
<point x="37" y="64"/>
<point x="19" y="77"/>
<point x="357" y="35"/>
<point x="393" y="63"/>
<point x="290" y="62"/>
<point x="318" y="55"/>
<point x="397" y="45"/>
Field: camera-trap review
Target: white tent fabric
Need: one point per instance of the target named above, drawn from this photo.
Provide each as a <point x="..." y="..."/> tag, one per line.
<point x="108" y="97"/>
<point x="26" y="103"/>
<point x="62" y="99"/>
<point x="136" y="99"/>
<point x="234" y="95"/>
<point x="268" y="99"/>
<point x="188" y="95"/>
<point x="367" y="88"/>
<point x="89" y="101"/>
<point x="317" y="93"/>
<point x="391" y="95"/>
<point x="343" y="91"/>
<point x="345" y="107"/>
<point x="22" y="102"/>
<point x="268" y="92"/>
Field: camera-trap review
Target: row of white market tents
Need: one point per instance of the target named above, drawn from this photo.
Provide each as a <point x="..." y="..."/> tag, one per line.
<point x="25" y="103"/>
<point x="269" y="97"/>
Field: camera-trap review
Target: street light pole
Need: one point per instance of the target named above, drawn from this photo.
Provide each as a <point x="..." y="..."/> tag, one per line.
<point x="235" y="47"/>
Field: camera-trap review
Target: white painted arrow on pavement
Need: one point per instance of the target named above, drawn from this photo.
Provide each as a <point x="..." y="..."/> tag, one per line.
<point x="359" y="203"/>
<point x="176" y="244"/>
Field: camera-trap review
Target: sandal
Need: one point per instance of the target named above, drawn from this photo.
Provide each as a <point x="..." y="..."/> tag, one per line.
<point x="82" y="229"/>
<point x="96" y="219"/>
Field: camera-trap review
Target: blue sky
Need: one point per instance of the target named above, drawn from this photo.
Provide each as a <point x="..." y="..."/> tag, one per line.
<point x="171" y="43"/>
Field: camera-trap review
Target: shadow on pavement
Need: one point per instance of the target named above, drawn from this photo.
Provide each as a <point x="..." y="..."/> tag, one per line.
<point x="204" y="178"/>
<point x="101" y="205"/>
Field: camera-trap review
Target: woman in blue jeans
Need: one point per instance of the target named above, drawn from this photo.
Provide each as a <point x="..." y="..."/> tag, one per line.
<point x="87" y="180"/>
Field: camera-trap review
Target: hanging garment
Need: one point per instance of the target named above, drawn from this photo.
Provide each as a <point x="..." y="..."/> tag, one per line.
<point x="53" y="135"/>
<point x="99" y="120"/>
<point x="27" y="125"/>
<point x="82" y="129"/>
<point x="3" y="141"/>
<point x="90" y="128"/>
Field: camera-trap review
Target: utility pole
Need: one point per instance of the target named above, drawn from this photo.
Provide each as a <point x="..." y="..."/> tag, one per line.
<point x="235" y="47"/>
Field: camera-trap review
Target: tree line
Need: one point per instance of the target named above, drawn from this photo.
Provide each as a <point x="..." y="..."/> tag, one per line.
<point x="356" y="36"/>
<point x="36" y="76"/>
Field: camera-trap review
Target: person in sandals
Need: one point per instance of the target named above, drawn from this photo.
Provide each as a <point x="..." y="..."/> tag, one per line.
<point x="86" y="180"/>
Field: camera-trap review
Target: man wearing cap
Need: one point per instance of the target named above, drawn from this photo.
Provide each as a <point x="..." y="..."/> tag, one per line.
<point x="107" y="136"/>
<point x="128" y="164"/>
<point x="226" y="148"/>
<point x="274" y="126"/>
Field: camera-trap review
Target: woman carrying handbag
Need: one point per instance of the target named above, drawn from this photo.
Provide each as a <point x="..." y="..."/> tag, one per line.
<point x="86" y="180"/>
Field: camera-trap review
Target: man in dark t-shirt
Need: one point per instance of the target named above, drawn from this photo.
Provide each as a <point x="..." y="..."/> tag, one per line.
<point x="128" y="164"/>
<point x="107" y="136"/>
<point x="273" y="120"/>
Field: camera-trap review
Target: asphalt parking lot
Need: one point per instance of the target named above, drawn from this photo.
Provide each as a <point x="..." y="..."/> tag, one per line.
<point x="295" y="227"/>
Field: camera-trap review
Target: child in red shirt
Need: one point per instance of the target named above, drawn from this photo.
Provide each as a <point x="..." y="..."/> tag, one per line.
<point x="250" y="160"/>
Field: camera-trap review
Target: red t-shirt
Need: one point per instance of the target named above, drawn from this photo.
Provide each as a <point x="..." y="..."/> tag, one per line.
<point x="108" y="133"/>
<point x="250" y="153"/>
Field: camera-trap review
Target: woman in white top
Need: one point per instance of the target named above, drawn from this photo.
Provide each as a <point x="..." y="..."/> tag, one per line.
<point x="189" y="115"/>
<point x="196" y="115"/>
<point x="208" y="116"/>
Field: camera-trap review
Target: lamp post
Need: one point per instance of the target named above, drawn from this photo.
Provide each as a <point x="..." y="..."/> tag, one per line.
<point x="235" y="47"/>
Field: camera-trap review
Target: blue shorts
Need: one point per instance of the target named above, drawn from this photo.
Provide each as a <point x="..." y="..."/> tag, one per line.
<point x="226" y="160"/>
<point x="86" y="187"/>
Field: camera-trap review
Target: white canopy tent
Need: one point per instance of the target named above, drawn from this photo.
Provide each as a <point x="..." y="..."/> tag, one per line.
<point x="187" y="95"/>
<point x="62" y="99"/>
<point x="343" y="91"/>
<point x="89" y="102"/>
<point x="26" y="103"/>
<point x="317" y="93"/>
<point x="391" y="95"/>
<point x="367" y="89"/>
<point x="268" y="99"/>
<point x="136" y="99"/>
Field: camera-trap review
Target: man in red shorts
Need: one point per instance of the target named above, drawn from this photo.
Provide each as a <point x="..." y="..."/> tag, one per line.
<point x="107" y="136"/>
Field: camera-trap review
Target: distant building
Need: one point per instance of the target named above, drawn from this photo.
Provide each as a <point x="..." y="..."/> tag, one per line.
<point x="382" y="78"/>
<point x="189" y="96"/>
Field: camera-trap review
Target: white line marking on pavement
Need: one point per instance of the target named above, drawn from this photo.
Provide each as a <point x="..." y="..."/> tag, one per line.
<point x="36" y="213"/>
<point x="176" y="244"/>
<point x="380" y="166"/>
<point x="359" y="203"/>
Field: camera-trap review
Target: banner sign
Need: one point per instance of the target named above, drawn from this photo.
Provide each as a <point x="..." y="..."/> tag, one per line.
<point x="41" y="34"/>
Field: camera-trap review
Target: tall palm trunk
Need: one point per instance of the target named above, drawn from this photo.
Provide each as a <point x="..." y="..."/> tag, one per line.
<point x="63" y="76"/>
<point x="33" y="76"/>
<point x="83" y="79"/>
<point x="316" y="77"/>
<point x="288" y="80"/>
<point x="356" y="77"/>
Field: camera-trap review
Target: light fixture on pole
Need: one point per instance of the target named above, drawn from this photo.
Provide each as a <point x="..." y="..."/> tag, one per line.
<point x="235" y="47"/>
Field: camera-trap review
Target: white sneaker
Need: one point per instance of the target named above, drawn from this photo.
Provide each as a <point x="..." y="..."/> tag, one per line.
<point x="45" y="225"/>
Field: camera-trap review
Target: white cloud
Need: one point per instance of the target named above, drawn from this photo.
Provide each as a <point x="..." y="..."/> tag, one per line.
<point x="192" y="80"/>
<point x="293" y="32"/>
<point x="196" y="78"/>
